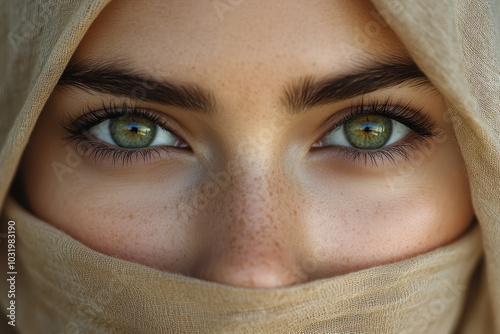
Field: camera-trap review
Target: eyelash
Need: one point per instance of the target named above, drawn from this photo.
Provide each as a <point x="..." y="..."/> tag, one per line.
<point x="79" y="125"/>
<point x="419" y="123"/>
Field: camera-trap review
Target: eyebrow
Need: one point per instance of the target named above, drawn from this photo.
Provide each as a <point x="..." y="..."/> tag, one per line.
<point x="120" y="78"/>
<point x="307" y="92"/>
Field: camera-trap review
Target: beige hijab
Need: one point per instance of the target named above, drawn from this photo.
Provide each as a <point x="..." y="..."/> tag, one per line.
<point x="62" y="286"/>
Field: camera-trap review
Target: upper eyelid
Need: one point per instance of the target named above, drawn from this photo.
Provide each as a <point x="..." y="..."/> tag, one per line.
<point x="79" y="124"/>
<point x="409" y="116"/>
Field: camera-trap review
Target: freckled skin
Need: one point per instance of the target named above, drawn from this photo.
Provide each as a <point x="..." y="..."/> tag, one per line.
<point x="251" y="206"/>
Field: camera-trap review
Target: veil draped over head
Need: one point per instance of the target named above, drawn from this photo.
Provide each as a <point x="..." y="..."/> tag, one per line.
<point x="62" y="286"/>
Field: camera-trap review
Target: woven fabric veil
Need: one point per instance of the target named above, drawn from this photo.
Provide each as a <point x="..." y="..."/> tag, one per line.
<point x="62" y="286"/>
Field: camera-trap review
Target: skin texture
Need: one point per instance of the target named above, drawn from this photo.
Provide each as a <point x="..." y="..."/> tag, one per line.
<point x="251" y="205"/>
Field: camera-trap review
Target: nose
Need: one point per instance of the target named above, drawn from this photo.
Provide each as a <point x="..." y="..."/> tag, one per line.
<point x="253" y="232"/>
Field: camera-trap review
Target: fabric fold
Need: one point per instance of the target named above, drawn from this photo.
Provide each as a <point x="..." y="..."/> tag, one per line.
<point x="66" y="285"/>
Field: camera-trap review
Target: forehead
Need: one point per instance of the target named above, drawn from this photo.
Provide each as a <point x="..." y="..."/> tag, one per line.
<point x="242" y="37"/>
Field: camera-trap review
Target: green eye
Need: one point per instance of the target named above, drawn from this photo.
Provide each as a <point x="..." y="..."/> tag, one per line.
<point x="368" y="132"/>
<point x="132" y="132"/>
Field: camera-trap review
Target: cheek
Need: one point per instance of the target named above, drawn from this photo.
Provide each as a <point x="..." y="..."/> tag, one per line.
<point x="132" y="222"/>
<point x="130" y="215"/>
<point x="393" y="214"/>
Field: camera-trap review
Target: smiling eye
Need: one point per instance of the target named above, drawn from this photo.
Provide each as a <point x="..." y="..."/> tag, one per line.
<point x="133" y="133"/>
<point x="367" y="132"/>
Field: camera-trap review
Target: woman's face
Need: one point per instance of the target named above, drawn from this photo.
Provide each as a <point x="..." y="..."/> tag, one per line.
<point x="251" y="143"/>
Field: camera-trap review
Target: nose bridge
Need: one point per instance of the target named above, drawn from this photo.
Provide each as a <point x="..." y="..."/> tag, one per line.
<point x="252" y="228"/>
<point x="252" y="209"/>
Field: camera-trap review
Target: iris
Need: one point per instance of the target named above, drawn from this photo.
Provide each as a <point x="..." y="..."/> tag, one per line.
<point x="368" y="132"/>
<point x="132" y="132"/>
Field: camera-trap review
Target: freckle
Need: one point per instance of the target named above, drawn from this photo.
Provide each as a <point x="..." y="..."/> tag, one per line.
<point x="194" y="67"/>
<point x="165" y="207"/>
<point x="131" y="216"/>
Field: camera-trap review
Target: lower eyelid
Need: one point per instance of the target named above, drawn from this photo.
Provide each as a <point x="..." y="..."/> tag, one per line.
<point x="370" y="158"/>
<point x="99" y="152"/>
<point x="395" y="153"/>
